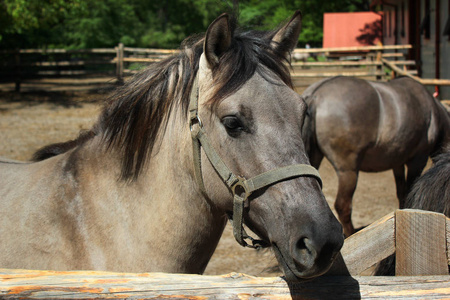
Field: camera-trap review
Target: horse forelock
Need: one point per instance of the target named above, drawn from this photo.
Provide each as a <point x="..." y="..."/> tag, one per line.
<point x="136" y="114"/>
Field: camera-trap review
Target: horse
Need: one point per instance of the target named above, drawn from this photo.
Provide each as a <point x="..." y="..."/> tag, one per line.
<point x="431" y="192"/>
<point x="359" y="125"/>
<point x="210" y="132"/>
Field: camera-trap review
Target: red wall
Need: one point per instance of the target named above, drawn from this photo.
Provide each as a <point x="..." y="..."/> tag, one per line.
<point x="352" y="29"/>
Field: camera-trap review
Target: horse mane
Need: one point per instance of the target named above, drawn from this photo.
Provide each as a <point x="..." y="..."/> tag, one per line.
<point x="59" y="148"/>
<point x="431" y="191"/>
<point x="137" y="113"/>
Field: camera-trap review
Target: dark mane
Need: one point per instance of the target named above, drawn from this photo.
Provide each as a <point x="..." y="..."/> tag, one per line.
<point x="431" y="191"/>
<point x="59" y="148"/>
<point x="136" y="113"/>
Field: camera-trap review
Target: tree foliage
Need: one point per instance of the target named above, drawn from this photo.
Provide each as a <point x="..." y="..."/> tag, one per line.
<point x="140" y="23"/>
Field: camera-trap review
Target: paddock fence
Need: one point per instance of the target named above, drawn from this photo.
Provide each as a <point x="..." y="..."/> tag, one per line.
<point x="419" y="239"/>
<point x="113" y="65"/>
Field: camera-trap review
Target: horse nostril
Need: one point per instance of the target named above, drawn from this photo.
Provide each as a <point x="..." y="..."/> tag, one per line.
<point x="305" y="253"/>
<point x="301" y="245"/>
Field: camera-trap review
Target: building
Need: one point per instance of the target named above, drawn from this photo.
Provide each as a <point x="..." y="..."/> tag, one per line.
<point x="425" y="24"/>
<point x="352" y="29"/>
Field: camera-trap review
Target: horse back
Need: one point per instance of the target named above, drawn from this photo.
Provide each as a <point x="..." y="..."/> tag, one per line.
<point x="418" y="113"/>
<point x="343" y="107"/>
<point x="375" y="121"/>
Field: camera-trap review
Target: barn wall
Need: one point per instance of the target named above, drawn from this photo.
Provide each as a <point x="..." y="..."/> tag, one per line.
<point x="445" y="48"/>
<point x="397" y="24"/>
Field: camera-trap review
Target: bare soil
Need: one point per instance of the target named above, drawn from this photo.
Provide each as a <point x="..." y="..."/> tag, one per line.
<point x="31" y="120"/>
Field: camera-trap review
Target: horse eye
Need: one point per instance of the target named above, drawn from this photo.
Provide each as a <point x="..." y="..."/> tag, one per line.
<point x="233" y="125"/>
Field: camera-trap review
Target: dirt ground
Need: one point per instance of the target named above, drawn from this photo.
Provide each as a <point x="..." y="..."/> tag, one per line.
<point x="29" y="121"/>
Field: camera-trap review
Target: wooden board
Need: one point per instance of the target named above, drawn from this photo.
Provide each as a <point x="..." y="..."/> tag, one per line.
<point x="88" y="285"/>
<point x="335" y="63"/>
<point x="421" y="246"/>
<point x="447" y="223"/>
<point x="424" y="81"/>
<point x="366" y="247"/>
<point x="354" y="49"/>
<point x="298" y="75"/>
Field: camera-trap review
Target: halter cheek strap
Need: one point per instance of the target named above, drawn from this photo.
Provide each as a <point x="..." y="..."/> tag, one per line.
<point x="240" y="187"/>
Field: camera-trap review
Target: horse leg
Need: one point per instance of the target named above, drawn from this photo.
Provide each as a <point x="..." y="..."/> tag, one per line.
<point x="400" y="184"/>
<point x="343" y="204"/>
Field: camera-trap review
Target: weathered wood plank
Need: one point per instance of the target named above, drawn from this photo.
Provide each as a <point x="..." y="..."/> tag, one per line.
<point x="366" y="247"/>
<point x="447" y="222"/>
<point x="299" y="75"/>
<point x="424" y="81"/>
<point x="88" y="285"/>
<point x="420" y="243"/>
<point x="397" y="54"/>
<point x="335" y="63"/>
<point x="354" y="49"/>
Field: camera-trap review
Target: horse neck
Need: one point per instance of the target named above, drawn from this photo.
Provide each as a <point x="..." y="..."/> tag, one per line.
<point x="166" y="201"/>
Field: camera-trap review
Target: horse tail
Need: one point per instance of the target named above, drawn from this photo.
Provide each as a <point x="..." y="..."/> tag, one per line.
<point x="430" y="192"/>
<point x="60" y="148"/>
<point x="443" y="138"/>
<point x="308" y="127"/>
<point x="309" y="133"/>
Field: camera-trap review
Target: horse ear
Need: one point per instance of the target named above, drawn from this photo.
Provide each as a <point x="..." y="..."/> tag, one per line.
<point x="286" y="38"/>
<point x="218" y="39"/>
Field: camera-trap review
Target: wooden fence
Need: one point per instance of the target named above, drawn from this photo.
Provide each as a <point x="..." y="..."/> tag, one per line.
<point x="363" y="62"/>
<point x="373" y="63"/>
<point x="419" y="239"/>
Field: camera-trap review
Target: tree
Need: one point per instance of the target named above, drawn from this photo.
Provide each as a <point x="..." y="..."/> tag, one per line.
<point x="163" y="23"/>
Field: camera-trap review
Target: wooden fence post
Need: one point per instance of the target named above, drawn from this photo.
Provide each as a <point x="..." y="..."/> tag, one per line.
<point x="420" y="243"/>
<point x="119" y="63"/>
<point x="17" y="71"/>
<point x="379" y="68"/>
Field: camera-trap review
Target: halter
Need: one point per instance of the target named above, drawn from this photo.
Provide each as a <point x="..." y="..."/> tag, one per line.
<point x="240" y="187"/>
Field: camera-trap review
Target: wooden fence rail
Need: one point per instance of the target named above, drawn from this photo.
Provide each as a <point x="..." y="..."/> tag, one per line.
<point x="400" y="72"/>
<point x="366" y="62"/>
<point x="419" y="239"/>
<point x="26" y="284"/>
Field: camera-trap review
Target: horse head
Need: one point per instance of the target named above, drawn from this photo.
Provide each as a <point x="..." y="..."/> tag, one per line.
<point x="253" y="119"/>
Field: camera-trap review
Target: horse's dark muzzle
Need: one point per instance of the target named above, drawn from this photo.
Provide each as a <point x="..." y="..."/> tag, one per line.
<point x="310" y="257"/>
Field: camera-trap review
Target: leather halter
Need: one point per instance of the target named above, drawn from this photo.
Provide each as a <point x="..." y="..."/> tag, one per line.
<point x="240" y="187"/>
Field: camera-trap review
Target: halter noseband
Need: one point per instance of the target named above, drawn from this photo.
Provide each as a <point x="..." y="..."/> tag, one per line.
<point x="240" y="187"/>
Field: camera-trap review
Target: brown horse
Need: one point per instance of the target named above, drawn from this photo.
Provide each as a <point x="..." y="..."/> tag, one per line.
<point x="360" y="125"/>
<point x="148" y="188"/>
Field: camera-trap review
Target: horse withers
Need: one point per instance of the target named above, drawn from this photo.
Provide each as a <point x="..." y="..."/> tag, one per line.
<point x="360" y="125"/>
<point x="211" y="131"/>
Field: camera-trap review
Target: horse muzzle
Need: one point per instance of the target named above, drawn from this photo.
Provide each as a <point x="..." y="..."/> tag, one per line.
<point x="307" y="257"/>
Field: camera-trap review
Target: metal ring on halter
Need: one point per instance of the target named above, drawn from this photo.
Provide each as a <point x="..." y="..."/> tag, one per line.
<point x="195" y="120"/>
<point x="240" y="188"/>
